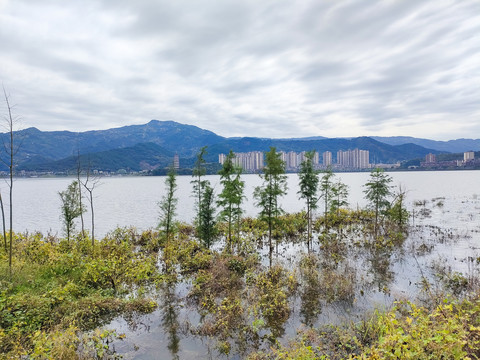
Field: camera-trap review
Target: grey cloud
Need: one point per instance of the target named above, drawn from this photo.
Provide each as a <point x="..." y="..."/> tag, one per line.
<point x="260" y="66"/>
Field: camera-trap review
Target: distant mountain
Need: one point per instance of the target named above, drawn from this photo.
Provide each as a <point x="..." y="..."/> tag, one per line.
<point x="152" y="146"/>
<point x="450" y="146"/>
<point x="146" y="156"/>
<point x="55" y="145"/>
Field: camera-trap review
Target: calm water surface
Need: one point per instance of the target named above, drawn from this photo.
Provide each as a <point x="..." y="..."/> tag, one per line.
<point x="133" y="201"/>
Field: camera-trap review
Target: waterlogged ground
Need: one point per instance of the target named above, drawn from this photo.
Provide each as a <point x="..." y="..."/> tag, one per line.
<point x="343" y="279"/>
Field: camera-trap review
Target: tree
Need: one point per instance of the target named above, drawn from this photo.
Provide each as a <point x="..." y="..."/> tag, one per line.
<point x="79" y="182"/>
<point x="397" y="212"/>
<point x="199" y="170"/>
<point x="377" y="191"/>
<point x="70" y="207"/>
<point x="11" y="147"/>
<point x="206" y="226"/>
<point x="339" y="197"/>
<point x="326" y="186"/>
<point x="230" y="199"/>
<point x="267" y="195"/>
<point x="89" y="184"/>
<point x="199" y="189"/>
<point x="308" y="177"/>
<point x="168" y="207"/>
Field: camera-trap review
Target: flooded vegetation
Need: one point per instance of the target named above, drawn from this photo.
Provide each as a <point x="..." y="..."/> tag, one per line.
<point x="391" y="287"/>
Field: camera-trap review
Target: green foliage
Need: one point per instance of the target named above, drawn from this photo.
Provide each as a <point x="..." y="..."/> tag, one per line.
<point x="71" y="207"/>
<point x="205" y="200"/>
<point x="339" y="197"/>
<point x="397" y="212"/>
<point x="206" y="223"/>
<point x="59" y="284"/>
<point x="168" y="206"/>
<point x="273" y="295"/>
<point x="377" y="192"/>
<point x="326" y="192"/>
<point x="230" y="199"/>
<point x="308" y="182"/>
<point x="450" y="331"/>
<point x="274" y="186"/>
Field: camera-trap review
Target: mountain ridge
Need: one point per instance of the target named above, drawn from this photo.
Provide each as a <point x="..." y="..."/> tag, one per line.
<point x="56" y="149"/>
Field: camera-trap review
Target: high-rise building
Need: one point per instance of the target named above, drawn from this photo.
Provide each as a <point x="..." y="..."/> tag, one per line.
<point x="353" y="159"/>
<point x="292" y="161"/>
<point x="315" y="158"/>
<point x="327" y="158"/>
<point x="250" y="161"/>
<point x="430" y="158"/>
<point x="176" y="162"/>
<point x="468" y="155"/>
<point x="221" y="158"/>
<point x="254" y="160"/>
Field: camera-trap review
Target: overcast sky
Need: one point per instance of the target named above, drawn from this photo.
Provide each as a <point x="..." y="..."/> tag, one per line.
<point x="246" y="68"/>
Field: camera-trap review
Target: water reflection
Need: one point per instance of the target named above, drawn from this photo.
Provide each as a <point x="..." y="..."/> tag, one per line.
<point x="169" y="303"/>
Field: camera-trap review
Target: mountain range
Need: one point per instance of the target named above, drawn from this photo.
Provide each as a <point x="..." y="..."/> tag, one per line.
<point x="153" y="145"/>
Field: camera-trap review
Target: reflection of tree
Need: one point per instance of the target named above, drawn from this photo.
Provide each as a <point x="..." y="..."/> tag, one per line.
<point x="310" y="296"/>
<point x="310" y="307"/>
<point x="380" y="268"/>
<point x="169" y="304"/>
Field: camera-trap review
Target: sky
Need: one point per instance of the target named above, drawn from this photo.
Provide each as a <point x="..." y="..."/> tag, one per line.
<point x="270" y="68"/>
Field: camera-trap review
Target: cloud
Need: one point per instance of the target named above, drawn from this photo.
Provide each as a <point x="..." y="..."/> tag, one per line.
<point x="281" y="69"/>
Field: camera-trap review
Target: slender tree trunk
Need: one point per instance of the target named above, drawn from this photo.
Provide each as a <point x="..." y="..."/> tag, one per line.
<point x="3" y="223"/>
<point x="11" y="187"/>
<point x="229" y="247"/>
<point x="270" y="241"/>
<point x="80" y="194"/>
<point x="326" y="210"/>
<point x="309" y="225"/>
<point x="93" y="218"/>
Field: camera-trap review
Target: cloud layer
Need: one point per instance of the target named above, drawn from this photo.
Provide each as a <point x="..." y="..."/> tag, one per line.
<point x="246" y="68"/>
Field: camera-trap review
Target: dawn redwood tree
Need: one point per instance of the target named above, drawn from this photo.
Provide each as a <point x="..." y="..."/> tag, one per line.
<point x="326" y="185"/>
<point x="206" y="225"/>
<point x="70" y="206"/>
<point x="199" y="186"/>
<point x="339" y="197"/>
<point x="199" y="170"/>
<point x="398" y="212"/>
<point x="308" y="181"/>
<point x="274" y="186"/>
<point x="230" y="199"/>
<point x="377" y="191"/>
<point x="168" y="206"/>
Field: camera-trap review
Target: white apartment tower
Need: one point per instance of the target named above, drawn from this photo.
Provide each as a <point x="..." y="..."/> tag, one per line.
<point x="353" y="159"/>
<point x="327" y="158"/>
<point x="176" y="162"/>
<point x="468" y="155"/>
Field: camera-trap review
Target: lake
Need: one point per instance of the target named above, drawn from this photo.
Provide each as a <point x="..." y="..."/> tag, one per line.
<point x="133" y="201"/>
<point x="445" y="231"/>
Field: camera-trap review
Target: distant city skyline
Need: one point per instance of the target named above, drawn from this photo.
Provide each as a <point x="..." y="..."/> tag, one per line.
<point x="346" y="159"/>
<point x="246" y="68"/>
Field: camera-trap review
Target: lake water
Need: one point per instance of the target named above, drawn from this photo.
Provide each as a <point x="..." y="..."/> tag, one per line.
<point x="447" y="226"/>
<point x="133" y="201"/>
